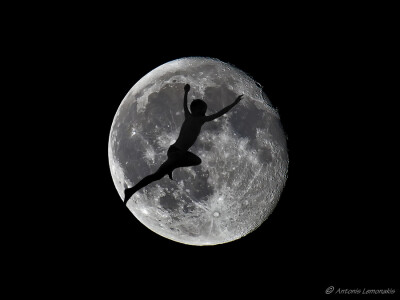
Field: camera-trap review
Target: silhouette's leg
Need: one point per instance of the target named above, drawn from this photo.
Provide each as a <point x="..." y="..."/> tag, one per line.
<point x="173" y="160"/>
<point x="142" y="183"/>
<point x="165" y="168"/>
<point x="189" y="159"/>
<point x="185" y="159"/>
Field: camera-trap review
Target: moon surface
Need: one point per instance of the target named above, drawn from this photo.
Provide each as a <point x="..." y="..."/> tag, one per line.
<point x="244" y="155"/>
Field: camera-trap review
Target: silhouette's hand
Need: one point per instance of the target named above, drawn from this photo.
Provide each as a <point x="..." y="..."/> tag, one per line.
<point x="187" y="88"/>
<point x="238" y="99"/>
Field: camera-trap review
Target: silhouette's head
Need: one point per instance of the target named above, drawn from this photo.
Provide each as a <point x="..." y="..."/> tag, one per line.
<point x="198" y="107"/>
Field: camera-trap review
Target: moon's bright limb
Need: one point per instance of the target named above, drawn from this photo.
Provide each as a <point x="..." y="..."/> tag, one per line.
<point x="244" y="155"/>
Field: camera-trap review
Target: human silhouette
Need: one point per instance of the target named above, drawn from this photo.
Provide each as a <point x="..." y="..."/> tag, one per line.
<point x="178" y="154"/>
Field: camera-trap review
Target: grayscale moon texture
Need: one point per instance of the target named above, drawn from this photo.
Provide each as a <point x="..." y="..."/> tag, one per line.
<point x="244" y="155"/>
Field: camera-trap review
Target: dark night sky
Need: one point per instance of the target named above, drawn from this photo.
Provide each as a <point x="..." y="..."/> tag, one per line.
<point x="335" y="221"/>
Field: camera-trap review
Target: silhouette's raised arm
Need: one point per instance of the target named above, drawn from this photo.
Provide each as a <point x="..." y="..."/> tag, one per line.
<point x="224" y="110"/>
<point x="185" y="107"/>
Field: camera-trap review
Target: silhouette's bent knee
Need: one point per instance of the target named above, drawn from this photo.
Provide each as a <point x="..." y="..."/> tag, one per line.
<point x="197" y="161"/>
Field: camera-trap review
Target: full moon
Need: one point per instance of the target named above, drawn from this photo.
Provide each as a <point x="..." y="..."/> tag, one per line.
<point x="244" y="155"/>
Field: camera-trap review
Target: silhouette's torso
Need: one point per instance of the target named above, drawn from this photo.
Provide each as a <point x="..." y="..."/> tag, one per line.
<point x="190" y="130"/>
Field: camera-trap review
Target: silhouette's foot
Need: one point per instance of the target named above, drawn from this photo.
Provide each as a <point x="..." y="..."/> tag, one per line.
<point x="128" y="194"/>
<point x="170" y="175"/>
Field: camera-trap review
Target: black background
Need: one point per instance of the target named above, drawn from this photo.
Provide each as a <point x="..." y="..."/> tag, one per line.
<point x="335" y="222"/>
